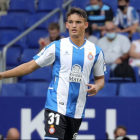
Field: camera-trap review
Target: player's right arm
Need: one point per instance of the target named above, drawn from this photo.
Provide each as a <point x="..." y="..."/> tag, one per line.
<point x="21" y="70"/>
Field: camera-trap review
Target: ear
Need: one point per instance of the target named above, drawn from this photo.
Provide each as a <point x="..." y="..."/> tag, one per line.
<point x="67" y="25"/>
<point x="86" y="25"/>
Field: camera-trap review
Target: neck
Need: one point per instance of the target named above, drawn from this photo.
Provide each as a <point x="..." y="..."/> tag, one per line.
<point x="77" y="41"/>
<point x="125" y="11"/>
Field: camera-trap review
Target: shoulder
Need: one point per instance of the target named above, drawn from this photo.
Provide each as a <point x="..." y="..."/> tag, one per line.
<point x="105" y="7"/>
<point x="122" y="38"/>
<point x="130" y="8"/>
<point x="103" y="39"/>
<point x="88" y="8"/>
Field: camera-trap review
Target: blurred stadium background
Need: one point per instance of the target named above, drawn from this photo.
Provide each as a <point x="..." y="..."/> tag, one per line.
<point x="22" y="99"/>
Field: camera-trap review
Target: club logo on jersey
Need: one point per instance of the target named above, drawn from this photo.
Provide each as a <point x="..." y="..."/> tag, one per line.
<point x="74" y="136"/>
<point x="76" y="74"/>
<point x="51" y="129"/>
<point x="90" y="56"/>
<point x="41" y="52"/>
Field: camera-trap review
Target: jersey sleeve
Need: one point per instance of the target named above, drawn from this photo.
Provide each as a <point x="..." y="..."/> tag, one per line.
<point x="135" y="16"/>
<point x="46" y="56"/>
<point x="116" y="18"/>
<point x="100" y="66"/>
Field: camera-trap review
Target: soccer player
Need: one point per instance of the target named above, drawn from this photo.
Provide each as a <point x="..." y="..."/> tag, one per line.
<point x="73" y="59"/>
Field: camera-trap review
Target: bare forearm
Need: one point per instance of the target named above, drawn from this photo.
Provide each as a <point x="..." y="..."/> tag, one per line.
<point x="135" y="55"/>
<point x="21" y="70"/>
<point x="99" y="83"/>
<point x="130" y="28"/>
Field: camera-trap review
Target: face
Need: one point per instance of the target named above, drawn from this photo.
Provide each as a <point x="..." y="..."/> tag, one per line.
<point x="54" y="33"/>
<point x="122" y="3"/>
<point x="76" y="26"/>
<point x="94" y="2"/>
<point x="110" y="28"/>
<point x="120" y="132"/>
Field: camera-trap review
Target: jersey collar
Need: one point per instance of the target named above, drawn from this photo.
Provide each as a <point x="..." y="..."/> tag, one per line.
<point x="81" y="47"/>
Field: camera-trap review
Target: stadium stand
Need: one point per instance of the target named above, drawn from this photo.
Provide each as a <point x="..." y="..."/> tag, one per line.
<point x="39" y="75"/>
<point x="129" y="90"/>
<point x="37" y="88"/>
<point x="28" y="55"/>
<point x="109" y="90"/>
<point x="13" y="90"/>
<point x="33" y="37"/>
<point x="22" y="6"/>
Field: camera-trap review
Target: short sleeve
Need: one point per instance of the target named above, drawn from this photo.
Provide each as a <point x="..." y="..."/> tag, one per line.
<point x="46" y="56"/>
<point x="116" y="19"/>
<point x="100" y="66"/>
<point x="126" y="45"/>
<point x="135" y="16"/>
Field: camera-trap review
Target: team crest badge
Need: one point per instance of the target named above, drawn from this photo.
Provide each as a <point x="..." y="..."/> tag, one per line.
<point x="90" y="56"/>
<point x="51" y="129"/>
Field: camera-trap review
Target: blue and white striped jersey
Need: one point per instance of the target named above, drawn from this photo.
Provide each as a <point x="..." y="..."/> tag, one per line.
<point x="72" y="68"/>
<point x="125" y="21"/>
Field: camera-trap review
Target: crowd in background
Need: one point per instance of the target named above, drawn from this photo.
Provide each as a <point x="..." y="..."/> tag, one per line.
<point x="111" y="31"/>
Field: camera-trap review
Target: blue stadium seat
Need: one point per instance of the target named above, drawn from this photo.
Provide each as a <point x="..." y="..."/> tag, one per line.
<point x="125" y="34"/>
<point x="11" y="22"/>
<point x="7" y="36"/>
<point x="13" y="57"/>
<point x="42" y="74"/>
<point x="136" y="72"/>
<point x="37" y="89"/>
<point x="16" y="89"/>
<point x="34" y="36"/>
<point x="109" y="90"/>
<point x="113" y="4"/>
<point x="135" y="36"/>
<point x="48" y="5"/>
<point x="80" y="4"/>
<point x="25" y="6"/>
<point x="130" y="90"/>
<point x="28" y="55"/>
<point x="34" y="18"/>
<point x="97" y="34"/>
<point x="135" y="4"/>
<point x="66" y="34"/>
<point x="120" y="80"/>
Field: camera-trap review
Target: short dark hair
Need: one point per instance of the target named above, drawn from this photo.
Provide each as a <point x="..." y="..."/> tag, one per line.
<point x="122" y="127"/>
<point x="126" y="0"/>
<point x="53" y="26"/>
<point x="77" y="11"/>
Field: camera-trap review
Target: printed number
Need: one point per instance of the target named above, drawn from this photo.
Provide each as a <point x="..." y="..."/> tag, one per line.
<point x="52" y="116"/>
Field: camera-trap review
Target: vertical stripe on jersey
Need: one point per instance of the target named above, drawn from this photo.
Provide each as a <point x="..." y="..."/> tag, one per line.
<point x="78" y="58"/>
<point x="52" y="93"/>
<point x="63" y="85"/>
<point x="87" y="70"/>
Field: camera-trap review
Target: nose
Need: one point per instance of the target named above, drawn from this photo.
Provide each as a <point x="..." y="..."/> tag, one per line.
<point x="74" y="25"/>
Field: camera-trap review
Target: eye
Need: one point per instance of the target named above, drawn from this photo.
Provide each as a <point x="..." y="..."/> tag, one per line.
<point x="70" y="21"/>
<point x="78" y="22"/>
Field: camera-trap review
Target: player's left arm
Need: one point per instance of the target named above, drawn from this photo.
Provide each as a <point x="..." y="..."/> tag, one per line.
<point x="99" y="69"/>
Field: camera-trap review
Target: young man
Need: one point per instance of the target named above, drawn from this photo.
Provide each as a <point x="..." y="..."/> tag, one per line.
<point x="127" y="18"/>
<point x="74" y="59"/>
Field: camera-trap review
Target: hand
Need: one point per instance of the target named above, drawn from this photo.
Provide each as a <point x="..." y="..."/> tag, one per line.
<point x="42" y="42"/>
<point x="94" y="26"/>
<point x="1" y="76"/>
<point x="93" y="90"/>
<point x="118" y="61"/>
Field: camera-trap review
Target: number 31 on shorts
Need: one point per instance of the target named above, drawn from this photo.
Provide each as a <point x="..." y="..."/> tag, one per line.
<point x="52" y="117"/>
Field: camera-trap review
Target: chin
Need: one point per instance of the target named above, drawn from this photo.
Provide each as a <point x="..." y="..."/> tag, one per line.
<point x="75" y="36"/>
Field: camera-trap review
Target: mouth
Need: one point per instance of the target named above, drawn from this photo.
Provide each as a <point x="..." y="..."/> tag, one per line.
<point x="74" y="30"/>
